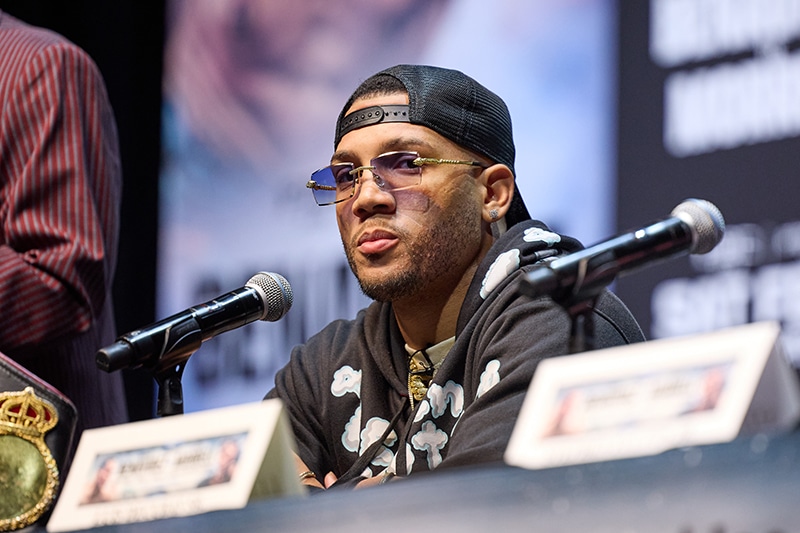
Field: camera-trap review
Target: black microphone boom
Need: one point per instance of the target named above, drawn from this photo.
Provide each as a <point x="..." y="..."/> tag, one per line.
<point x="169" y="342"/>
<point x="695" y="227"/>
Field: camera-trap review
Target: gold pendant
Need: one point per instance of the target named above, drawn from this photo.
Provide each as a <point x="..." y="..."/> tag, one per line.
<point x="417" y="388"/>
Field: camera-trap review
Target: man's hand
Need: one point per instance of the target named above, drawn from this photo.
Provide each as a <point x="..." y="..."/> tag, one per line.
<point x="369" y="482"/>
<point x="330" y="479"/>
<point x="307" y="477"/>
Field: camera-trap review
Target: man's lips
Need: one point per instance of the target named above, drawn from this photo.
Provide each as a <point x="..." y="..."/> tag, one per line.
<point x="373" y="242"/>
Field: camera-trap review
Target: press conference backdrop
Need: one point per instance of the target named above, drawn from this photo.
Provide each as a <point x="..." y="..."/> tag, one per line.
<point x="252" y="90"/>
<point x="709" y="106"/>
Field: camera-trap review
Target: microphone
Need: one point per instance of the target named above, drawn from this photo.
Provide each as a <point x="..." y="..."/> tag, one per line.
<point x="695" y="227"/>
<point x="171" y="341"/>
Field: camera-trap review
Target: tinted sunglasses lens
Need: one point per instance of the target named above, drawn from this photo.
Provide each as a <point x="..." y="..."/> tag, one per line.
<point x="398" y="169"/>
<point x="325" y="191"/>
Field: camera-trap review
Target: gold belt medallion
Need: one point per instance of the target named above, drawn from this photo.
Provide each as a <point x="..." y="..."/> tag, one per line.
<point x="28" y="471"/>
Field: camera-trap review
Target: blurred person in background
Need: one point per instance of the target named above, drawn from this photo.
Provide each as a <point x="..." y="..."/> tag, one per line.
<point x="60" y="187"/>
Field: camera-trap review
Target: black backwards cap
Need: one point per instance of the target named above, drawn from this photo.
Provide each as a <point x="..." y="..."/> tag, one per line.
<point x="453" y="105"/>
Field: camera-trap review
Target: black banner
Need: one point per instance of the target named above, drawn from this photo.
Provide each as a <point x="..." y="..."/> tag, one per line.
<point x="708" y="108"/>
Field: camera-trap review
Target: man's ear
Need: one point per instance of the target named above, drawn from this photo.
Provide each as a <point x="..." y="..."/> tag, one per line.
<point x="499" y="183"/>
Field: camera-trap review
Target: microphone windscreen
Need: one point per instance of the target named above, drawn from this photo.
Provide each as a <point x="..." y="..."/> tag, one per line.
<point x="276" y="294"/>
<point x="706" y="222"/>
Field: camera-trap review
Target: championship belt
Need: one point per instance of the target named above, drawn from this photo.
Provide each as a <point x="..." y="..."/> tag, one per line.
<point x="37" y="424"/>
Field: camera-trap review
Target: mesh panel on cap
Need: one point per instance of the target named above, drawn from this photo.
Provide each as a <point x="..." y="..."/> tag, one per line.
<point x="459" y="108"/>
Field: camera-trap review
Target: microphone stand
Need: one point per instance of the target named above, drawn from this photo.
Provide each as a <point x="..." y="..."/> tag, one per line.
<point x="183" y="340"/>
<point x="578" y="298"/>
<point x="582" y="338"/>
<point x="170" y="391"/>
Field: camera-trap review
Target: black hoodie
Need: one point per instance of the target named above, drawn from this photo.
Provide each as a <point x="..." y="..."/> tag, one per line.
<point x="346" y="389"/>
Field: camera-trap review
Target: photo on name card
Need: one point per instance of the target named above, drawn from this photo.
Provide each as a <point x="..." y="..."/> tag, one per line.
<point x="165" y="469"/>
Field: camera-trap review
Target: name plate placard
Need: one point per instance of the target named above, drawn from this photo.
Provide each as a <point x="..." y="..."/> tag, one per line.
<point x="646" y="398"/>
<point x="178" y="466"/>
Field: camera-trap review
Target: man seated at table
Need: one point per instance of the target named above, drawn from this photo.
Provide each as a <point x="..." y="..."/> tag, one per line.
<point x="433" y="373"/>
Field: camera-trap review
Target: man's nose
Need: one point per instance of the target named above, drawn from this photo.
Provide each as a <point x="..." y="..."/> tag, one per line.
<point x="372" y="196"/>
<point x="375" y="179"/>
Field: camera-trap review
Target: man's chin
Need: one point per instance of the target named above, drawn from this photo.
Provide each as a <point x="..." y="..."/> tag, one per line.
<point x="387" y="289"/>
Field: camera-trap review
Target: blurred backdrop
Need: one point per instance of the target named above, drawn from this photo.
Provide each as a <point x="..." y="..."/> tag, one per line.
<point x="621" y="111"/>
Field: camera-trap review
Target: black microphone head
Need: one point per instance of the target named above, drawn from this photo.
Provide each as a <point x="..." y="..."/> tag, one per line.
<point x="706" y="222"/>
<point x="276" y="294"/>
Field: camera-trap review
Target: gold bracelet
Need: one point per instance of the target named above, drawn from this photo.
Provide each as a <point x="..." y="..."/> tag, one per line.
<point x="307" y="474"/>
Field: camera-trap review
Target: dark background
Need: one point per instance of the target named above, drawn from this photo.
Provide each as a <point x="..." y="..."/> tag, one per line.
<point x="752" y="184"/>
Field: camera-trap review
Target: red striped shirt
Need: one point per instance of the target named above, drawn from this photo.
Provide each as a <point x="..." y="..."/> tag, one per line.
<point x="60" y="187"/>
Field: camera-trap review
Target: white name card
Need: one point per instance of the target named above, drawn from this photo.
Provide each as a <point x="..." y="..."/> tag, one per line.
<point x="647" y="398"/>
<point x="178" y="466"/>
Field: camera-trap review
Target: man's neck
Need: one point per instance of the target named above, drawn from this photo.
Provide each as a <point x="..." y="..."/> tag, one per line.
<point x="429" y="319"/>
